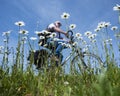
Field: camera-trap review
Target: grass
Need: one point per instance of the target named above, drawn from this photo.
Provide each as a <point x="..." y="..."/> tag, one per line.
<point x="55" y="83"/>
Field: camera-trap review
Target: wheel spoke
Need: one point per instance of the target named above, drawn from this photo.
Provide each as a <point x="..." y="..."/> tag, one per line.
<point x="86" y="60"/>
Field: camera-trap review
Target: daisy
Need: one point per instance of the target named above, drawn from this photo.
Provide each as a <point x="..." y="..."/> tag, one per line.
<point x="80" y="38"/>
<point x="91" y="36"/>
<point x="68" y="45"/>
<point x="107" y="24"/>
<point x="1" y="47"/>
<point x="23" y="32"/>
<point x="4" y="40"/>
<point x="65" y="15"/>
<point x="84" y="42"/>
<point x="117" y="35"/>
<point x="40" y="43"/>
<point x="87" y="33"/>
<point x="63" y="44"/>
<point x="20" y="23"/>
<point x="108" y="41"/>
<point x="45" y="32"/>
<point x="38" y="32"/>
<point x="94" y="35"/>
<point x="66" y="83"/>
<point x="33" y="38"/>
<point x="114" y="28"/>
<point x="6" y="33"/>
<point x="42" y="37"/>
<point x="85" y="49"/>
<point x="53" y="35"/>
<point x="87" y="46"/>
<point x="116" y="8"/>
<point x="24" y="38"/>
<point x="72" y="26"/>
<point x="97" y="29"/>
<point x="94" y="40"/>
<point x="75" y="44"/>
<point x="78" y="35"/>
<point x="56" y="39"/>
<point x="101" y="25"/>
<point x="45" y="45"/>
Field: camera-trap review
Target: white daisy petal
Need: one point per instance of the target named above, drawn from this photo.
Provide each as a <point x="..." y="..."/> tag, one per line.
<point x="20" y="23"/>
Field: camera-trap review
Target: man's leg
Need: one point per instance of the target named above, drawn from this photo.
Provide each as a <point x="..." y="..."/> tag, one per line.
<point x="59" y="48"/>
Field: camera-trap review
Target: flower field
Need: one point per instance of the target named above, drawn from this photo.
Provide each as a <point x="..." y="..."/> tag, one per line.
<point x="19" y="77"/>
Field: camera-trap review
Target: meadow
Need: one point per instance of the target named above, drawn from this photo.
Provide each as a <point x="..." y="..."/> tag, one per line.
<point x="18" y="77"/>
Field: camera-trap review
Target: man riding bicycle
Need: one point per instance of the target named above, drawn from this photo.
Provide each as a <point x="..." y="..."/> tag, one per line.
<point x="55" y="27"/>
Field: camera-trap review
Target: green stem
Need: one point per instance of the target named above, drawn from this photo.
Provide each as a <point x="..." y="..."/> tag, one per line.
<point x="22" y="56"/>
<point x="18" y="49"/>
<point x="29" y="43"/>
<point x="119" y="16"/>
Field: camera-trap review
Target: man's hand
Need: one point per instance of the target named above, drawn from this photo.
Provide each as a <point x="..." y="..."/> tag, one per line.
<point x="66" y="34"/>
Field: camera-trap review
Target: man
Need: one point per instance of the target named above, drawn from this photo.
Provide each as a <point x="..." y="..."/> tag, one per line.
<point x="55" y="27"/>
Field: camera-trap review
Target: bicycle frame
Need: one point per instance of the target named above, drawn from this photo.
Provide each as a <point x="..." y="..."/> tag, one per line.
<point x="67" y="58"/>
<point x="81" y="54"/>
<point x="71" y="37"/>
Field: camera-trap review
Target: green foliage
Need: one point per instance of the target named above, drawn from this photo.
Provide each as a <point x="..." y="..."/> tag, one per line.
<point x="55" y="83"/>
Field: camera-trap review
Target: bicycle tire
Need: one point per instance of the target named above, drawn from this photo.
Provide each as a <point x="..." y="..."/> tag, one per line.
<point x="84" y="61"/>
<point x="42" y="59"/>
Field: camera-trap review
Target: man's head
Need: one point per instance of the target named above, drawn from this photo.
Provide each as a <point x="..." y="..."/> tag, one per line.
<point x="58" y="23"/>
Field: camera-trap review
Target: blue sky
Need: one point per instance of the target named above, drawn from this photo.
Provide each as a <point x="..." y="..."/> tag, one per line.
<point x="86" y="14"/>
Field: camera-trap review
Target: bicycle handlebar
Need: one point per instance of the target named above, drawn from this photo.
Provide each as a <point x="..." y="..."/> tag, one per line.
<point x="70" y="31"/>
<point x="70" y="35"/>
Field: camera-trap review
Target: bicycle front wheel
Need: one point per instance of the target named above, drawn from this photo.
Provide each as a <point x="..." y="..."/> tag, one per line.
<point x="84" y="61"/>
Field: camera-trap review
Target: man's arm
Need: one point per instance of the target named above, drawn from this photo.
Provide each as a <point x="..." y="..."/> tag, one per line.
<point x="59" y="30"/>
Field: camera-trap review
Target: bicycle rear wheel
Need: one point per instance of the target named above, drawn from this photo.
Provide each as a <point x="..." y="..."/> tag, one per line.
<point x="84" y="61"/>
<point x="39" y="58"/>
<point x="42" y="59"/>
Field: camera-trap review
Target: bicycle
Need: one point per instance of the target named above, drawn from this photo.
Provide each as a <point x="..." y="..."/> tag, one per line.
<point x="80" y="60"/>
